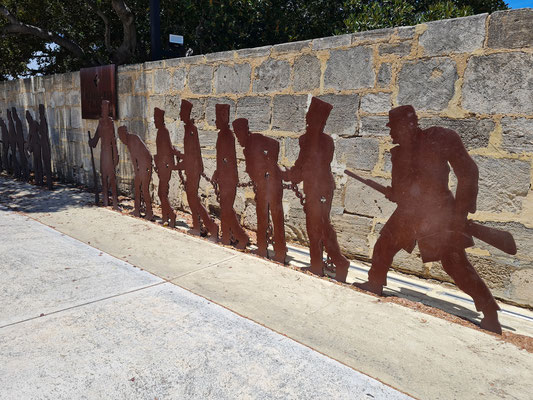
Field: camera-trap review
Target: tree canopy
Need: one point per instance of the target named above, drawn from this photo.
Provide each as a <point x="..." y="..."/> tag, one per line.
<point x="65" y="36"/>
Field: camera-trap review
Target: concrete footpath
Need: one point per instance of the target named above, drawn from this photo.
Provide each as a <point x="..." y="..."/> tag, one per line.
<point x="111" y="330"/>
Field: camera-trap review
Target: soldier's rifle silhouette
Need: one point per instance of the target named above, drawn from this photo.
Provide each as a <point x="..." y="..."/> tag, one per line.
<point x="502" y="240"/>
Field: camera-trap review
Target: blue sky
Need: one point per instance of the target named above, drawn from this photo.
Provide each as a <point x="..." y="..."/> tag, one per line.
<point x="519" y="3"/>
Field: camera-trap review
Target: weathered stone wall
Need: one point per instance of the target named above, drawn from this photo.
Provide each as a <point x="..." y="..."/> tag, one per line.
<point x="474" y="75"/>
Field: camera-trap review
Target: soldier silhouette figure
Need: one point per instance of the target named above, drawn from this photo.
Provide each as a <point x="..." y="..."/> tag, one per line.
<point x="191" y="163"/>
<point x="46" y="152"/>
<point x="261" y="154"/>
<point x="108" y="154"/>
<point x="34" y="144"/>
<point x="13" y="159"/>
<point x="227" y="178"/>
<point x="165" y="163"/>
<point x="427" y="211"/>
<point x="4" y="160"/>
<point x="142" y="165"/>
<point x="313" y="168"/>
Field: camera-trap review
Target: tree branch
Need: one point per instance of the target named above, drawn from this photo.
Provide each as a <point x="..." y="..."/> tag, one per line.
<point x="129" y="42"/>
<point x="107" y="32"/>
<point x="14" y="26"/>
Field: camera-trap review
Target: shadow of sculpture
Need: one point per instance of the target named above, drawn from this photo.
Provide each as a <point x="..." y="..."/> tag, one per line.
<point x="21" y="146"/>
<point x="313" y="167"/>
<point x="261" y="156"/>
<point x="46" y="151"/>
<point x="142" y="167"/>
<point x="13" y="159"/>
<point x="429" y="214"/>
<point x="34" y="147"/>
<point x="4" y="159"/>
<point x="108" y="154"/>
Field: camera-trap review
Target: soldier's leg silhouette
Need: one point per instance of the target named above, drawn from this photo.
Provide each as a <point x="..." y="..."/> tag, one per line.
<point x="145" y="188"/>
<point x="456" y="264"/>
<point x="334" y="252"/>
<point x="278" y="224"/>
<point x="315" y="236"/>
<point x="261" y="210"/>
<point x="105" y="190"/>
<point x="137" y="200"/>
<point x="198" y="211"/>
<point x="166" y="209"/>
<point x="230" y="223"/>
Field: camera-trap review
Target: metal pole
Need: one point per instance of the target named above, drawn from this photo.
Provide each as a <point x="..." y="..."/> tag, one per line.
<point x="155" y="29"/>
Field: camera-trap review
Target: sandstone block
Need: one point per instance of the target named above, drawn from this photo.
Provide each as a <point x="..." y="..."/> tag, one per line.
<point x="272" y="75"/>
<point x="363" y="200"/>
<point x="475" y="133"/>
<point x="499" y="83"/>
<point x="256" y="110"/>
<point x="288" y="113"/>
<point x="458" y="35"/>
<point x="503" y="184"/>
<point x="384" y="75"/>
<point x="178" y="79"/>
<point x="511" y="29"/>
<point x="306" y="73"/>
<point x="375" y="125"/>
<point x="397" y="49"/>
<point x="199" y="80"/>
<point x="332" y="42"/>
<point x="428" y="84"/>
<point x="233" y="78"/>
<point x="352" y="234"/>
<point x="162" y="81"/>
<point x="342" y="120"/>
<point x="350" y="69"/>
<point x="357" y="152"/>
<point x="376" y="102"/>
<point x="517" y="135"/>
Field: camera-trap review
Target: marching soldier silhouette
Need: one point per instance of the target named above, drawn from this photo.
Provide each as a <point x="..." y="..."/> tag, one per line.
<point x="261" y="154"/>
<point x="226" y="177"/>
<point x="165" y="163"/>
<point x="428" y="212"/>
<point x="191" y="163"/>
<point x="34" y="145"/>
<point x="46" y="151"/>
<point x="142" y="165"/>
<point x="313" y="168"/>
<point x="108" y="154"/>
<point x="13" y="159"/>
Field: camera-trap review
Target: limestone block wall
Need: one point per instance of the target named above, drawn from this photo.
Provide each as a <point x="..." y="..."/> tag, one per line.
<point x="473" y="75"/>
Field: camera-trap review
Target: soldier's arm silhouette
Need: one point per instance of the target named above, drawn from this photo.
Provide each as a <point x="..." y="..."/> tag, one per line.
<point x="93" y="142"/>
<point x="467" y="173"/>
<point x="295" y="174"/>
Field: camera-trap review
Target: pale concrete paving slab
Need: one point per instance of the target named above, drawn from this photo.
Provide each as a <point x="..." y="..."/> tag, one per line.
<point x="413" y="352"/>
<point x="158" y="342"/>
<point x="44" y="271"/>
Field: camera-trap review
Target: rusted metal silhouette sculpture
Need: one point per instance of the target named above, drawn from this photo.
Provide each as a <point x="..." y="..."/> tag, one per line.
<point x="227" y="178"/>
<point x="142" y="165"/>
<point x="21" y="146"/>
<point x="165" y="163"/>
<point x="13" y="159"/>
<point x="108" y="154"/>
<point x="428" y="212"/>
<point x="46" y="151"/>
<point x="191" y="163"/>
<point x="34" y="145"/>
<point x="4" y="163"/>
<point x="261" y="155"/>
<point x="314" y="169"/>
